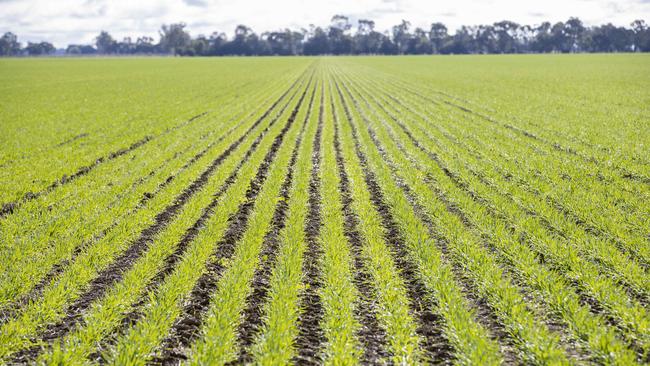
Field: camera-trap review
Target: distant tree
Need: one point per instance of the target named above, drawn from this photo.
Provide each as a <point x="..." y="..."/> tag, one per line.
<point x="245" y="43"/>
<point x="40" y="48"/>
<point x="284" y="43"/>
<point x="126" y="47"/>
<point x="543" y="40"/>
<point x="574" y="31"/>
<point x="361" y="40"/>
<point x="387" y="47"/>
<point x="145" y="45"/>
<point x="295" y="41"/>
<point x="216" y="42"/>
<point x="641" y="35"/>
<point x="105" y="43"/>
<point x="505" y="32"/>
<point x="419" y="43"/>
<point x="463" y="41"/>
<point x="525" y="38"/>
<point x="198" y="47"/>
<point x="173" y="38"/>
<point x="365" y="26"/>
<point x="487" y="39"/>
<point x="401" y="36"/>
<point x="609" y="38"/>
<point x="339" y="40"/>
<point x="561" y="41"/>
<point x="438" y="36"/>
<point x="74" y="49"/>
<point x="317" y="42"/>
<point x="9" y="45"/>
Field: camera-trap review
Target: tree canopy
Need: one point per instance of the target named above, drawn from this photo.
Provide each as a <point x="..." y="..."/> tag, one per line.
<point x="343" y="37"/>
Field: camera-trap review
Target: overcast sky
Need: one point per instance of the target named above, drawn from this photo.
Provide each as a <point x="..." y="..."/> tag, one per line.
<point x="79" y="21"/>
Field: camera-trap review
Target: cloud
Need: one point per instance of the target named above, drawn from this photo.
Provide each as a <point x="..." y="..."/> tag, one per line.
<point x="78" y="21"/>
<point x="198" y="3"/>
<point x="98" y="12"/>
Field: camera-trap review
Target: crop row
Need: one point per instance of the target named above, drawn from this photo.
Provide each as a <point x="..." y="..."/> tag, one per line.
<point x="337" y="214"/>
<point x="167" y="210"/>
<point x="449" y="186"/>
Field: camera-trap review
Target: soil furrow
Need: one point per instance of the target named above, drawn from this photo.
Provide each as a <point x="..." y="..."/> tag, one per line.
<point x="467" y="110"/>
<point x="187" y="327"/>
<point x="569" y="214"/>
<point x="71" y="320"/>
<point x="371" y="336"/>
<point x="114" y="272"/>
<point x="310" y="334"/>
<point x="10" y="207"/>
<point x="36" y="292"/>
<point x="430" y="325"/>
<point x="171" y="261"/>
<point x="532" y="298"/>
<point x="486" y="315"/>
<point x="562" y="209"/>
<point x="72" y="139"/>
<point x="566" y="339"/>
<point x="252" y="318"/>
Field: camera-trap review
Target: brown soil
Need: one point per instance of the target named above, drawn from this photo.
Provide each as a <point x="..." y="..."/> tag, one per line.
<point x="252" y="321"/>
<point x="11" y="207"/>
<point x="186" y="328"/>
<point x="310" y="334"/>
<point x="115" y="270"/>
<point x="371" y="336"/>
<point x="430" y="325"/>
<point x="485" y="314"/>
<point x="72" y="139"/>
<point x="36" y="292"/>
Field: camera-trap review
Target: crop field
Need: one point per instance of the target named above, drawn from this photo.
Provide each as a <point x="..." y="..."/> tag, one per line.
<point x="476" y="210"/>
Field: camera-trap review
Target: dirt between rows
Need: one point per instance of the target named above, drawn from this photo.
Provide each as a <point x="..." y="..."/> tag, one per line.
<point x="170" y="262"/>
<point x="36" y="292"/>
<point x="114" y="272"/>
<point x="187" y="326"/>
<point x="71" y="139"/>
<point x="10" y="207"/>
<point x="252" y="321"/>
<point x="569" y="214"/>
<point x="310" y="334"/>
<point x="371" y="336"/>
<point x="430" y="325"/>
<point x="486" y="315"/>
<point x="9" y="311"/>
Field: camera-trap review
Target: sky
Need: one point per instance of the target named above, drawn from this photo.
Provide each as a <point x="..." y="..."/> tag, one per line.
<point x="65" y="22"/>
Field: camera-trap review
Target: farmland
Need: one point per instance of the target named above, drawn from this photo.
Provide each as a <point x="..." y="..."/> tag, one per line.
<point x="336" y="210"/>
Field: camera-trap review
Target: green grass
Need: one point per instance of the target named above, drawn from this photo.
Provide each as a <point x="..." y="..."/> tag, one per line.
<point x="519" y="189"/>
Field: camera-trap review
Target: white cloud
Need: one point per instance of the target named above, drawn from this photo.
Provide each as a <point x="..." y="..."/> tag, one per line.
<point x="79" y="21"/>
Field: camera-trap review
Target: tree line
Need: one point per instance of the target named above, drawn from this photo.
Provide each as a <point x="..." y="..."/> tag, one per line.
<point x="342" y="37"/>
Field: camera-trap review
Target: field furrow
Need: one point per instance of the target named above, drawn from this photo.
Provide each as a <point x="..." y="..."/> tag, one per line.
<point x="479" y="220"/>
<point x="405" y="210"/>
<point x="97" y="260"/>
